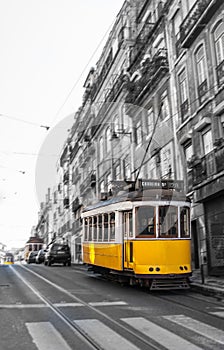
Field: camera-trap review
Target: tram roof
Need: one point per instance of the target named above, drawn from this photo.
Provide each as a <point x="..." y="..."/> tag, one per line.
<point x="145" y="195"/>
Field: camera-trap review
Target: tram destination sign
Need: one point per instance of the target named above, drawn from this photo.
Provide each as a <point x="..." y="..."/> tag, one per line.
<point x="177" y="185"/>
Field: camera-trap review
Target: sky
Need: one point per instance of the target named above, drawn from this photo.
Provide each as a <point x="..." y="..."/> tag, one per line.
<point x="47" y="50"/>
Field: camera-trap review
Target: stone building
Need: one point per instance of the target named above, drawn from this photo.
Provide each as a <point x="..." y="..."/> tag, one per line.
<point x="157" y="87"/>
<point x="196" y="54"/>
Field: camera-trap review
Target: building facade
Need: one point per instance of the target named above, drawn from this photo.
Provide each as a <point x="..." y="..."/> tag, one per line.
<point x="196" y="47"/>
<point x="152" y="109"/>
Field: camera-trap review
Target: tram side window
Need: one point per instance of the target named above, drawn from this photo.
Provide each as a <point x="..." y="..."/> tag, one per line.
<point x="94" y="228"/>
<point x="145" y="221"/>
<point x="91" y="228"/>
<point x="168" y="221"/>
<point x="112" y="226"/>
<point x="185" y="222"/>
<point x="127" y="224"/>
<point x="100" y="227"/>
<point x="105" y="238"/>
<point x="30" y="247"/>
<point x="86" y="229"/>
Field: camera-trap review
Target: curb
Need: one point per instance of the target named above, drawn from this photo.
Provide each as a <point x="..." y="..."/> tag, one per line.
<point x="207" y="290"/>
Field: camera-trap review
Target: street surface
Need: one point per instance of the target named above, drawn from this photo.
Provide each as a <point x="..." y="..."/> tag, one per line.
<point x="66" y="308"/>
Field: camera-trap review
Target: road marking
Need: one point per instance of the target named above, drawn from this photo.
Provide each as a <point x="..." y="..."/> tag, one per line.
<point x="215" y="334"/>
<point x="162" y="336"/>
<point x="67" y="304"/>
<point x="218" y="313"/>
<point x="107" y="303"/>
<point x="45" y="336"/>
<point x="104" y="336"/>
<point x="22" y="306"/>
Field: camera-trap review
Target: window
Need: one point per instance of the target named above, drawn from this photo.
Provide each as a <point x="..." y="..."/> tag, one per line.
<point x="188" y="151"/>
<point x="102" y="186"/>
<point x="117" y="172"/>
<point x="139" y="133"/>
<point x="105" y="225"/>
<point x="183" y="92"/>
<point x="219" y="51"/>
<point x="201" y="73"/>
<point x="146" y="220"/>
<point x="166" y="162"/>
<point x="184" y="222"/>
<point x="219" y="42"/>
<point x="176" y="32"/>
<point x="127" y="169"/>
<point x="94" y="223"/>
<point x="127" y="224"/>
<point x="86" y="227"/>
<point x="168" y="221"/>
<point x="100" y="227"/>
<point x="112" y="226"/>
<point x="108" y="184"/>
<point x="150" y="121"/>
<point x="200" y="63"/>
<point x="165" y="106"/>
<point x="207" y="141"/>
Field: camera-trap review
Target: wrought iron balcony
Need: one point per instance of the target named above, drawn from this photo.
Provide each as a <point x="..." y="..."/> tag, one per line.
<point x="202" y="169"/>
<point x="220" y="73"/>
<point x="202" y="90"/>
<point x="196" y="20"/>
<point x="184" y="109"/>
<point x="152" y="72"/>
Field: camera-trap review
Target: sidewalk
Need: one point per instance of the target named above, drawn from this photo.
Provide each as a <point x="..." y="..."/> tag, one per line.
<point x="211" y="285"/>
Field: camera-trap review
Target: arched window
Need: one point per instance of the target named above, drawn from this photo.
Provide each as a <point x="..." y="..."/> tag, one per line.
<point x="200" y="64"/>
<point x="202" y="81"/>
<point x="218" y="37"/>
<point x="219" y="42"/>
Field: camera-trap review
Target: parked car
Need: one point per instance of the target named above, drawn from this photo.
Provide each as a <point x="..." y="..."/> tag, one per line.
<point x="58" y="253"/>
<point x="41" y="256"/>
<point x="32" y="257"/>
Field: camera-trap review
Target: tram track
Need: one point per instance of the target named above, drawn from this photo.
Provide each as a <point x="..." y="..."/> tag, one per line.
<point x="184" y="305"/>
<point x="147" y="344"/>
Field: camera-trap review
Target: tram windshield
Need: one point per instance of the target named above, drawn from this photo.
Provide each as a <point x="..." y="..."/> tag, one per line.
<point x="146" y="218"/>
<point x="172" y="222"/>
<point x="168" y="221"/>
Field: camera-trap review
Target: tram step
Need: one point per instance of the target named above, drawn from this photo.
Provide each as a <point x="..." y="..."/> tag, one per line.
<point x="164" y="284"/>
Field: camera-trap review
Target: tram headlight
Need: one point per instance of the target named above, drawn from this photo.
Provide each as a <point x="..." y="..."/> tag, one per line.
<point x="151" y="269"/>
<point x="185" y="267"/>
<point x="181" y="268"/>
<point x="157" y="268"/>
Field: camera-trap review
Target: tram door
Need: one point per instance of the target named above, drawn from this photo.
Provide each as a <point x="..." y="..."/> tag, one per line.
<point x="127" y="227"/>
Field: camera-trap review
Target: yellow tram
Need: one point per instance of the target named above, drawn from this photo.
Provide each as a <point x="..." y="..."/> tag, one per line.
<point x="142" y="237"/>
<point x="8" y="258"/>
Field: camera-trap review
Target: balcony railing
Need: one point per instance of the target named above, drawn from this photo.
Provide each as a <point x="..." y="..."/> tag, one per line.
<point x="196" y="19"/>
<point x="220" y="73"/>
<point x="154" y="69"/>
<point x="184" y="109"/>
<point x="206" y="167"/>
<point x="202" y="90"/>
